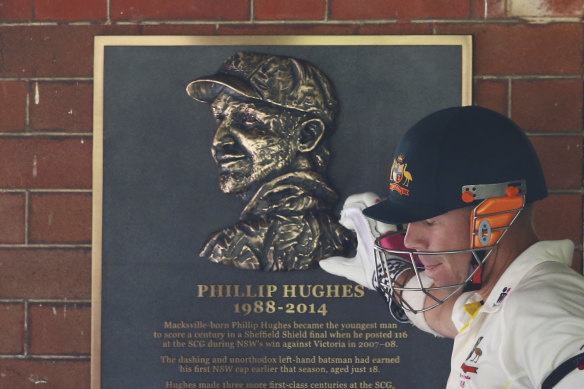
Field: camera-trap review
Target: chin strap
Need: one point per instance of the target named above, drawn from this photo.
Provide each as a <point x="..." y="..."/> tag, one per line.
<point x="476" y="282"/>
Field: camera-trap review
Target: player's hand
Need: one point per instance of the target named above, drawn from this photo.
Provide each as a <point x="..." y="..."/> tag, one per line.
<point x="360" y="268"/>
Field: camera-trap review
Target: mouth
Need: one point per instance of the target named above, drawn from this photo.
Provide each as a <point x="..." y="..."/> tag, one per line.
<point x="229" y="160"/>
<point x="429" y="265"/>
<point x="431" y="268"/>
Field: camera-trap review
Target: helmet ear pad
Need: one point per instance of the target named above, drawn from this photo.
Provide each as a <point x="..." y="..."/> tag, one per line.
<point x="491" y="219"/>
<point x="489" y="222"/>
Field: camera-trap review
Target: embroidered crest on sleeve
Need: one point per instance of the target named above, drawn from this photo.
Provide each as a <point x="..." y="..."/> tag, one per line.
<point x="469" y="366"/>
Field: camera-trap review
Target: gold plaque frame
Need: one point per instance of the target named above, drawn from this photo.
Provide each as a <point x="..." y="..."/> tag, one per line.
<point x="282" y="43"/>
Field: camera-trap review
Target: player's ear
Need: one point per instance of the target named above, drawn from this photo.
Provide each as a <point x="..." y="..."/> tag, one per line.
<point x="311" y="132"/>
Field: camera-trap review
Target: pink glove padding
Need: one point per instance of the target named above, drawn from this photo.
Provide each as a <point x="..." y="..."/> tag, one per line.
<point x="396" y="242"/>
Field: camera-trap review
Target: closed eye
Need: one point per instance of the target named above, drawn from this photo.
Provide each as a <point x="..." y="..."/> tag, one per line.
<point x="249" y="120"/>
<point x="219" y="117"/>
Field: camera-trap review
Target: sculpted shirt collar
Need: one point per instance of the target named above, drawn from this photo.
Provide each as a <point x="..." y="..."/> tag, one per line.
<point x="294" y="192"/>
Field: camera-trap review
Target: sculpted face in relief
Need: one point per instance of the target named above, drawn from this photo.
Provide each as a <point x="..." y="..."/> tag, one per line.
<point x="251" y="142"/>
<point x="274" y="115"/>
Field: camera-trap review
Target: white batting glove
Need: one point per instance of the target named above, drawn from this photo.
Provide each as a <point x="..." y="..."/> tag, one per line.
<point x="361" y="267"/>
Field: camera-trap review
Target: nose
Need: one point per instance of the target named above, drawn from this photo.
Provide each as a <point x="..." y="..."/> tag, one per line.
<point x="414" y="238"/>
<point x="223" y="135"/>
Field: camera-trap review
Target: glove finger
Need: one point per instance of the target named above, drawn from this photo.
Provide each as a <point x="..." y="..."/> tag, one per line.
<point x="345" y="267"/>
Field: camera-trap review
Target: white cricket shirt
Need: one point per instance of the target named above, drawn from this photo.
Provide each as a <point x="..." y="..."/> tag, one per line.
<point x="532" y="322"/>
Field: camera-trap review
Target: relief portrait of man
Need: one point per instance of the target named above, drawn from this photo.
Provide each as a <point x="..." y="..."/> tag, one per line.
<point x="274" y="116"/>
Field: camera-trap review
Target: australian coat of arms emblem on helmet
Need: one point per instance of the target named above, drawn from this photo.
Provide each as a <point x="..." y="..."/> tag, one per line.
<point x="400" y="177"/>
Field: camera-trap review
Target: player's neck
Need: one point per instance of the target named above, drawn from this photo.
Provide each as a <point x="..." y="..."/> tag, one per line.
<point x="511" y="246"/>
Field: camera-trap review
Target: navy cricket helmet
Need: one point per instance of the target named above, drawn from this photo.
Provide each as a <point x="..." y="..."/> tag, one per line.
<point x="454" y="158"/>
<point x="452" y="149"/>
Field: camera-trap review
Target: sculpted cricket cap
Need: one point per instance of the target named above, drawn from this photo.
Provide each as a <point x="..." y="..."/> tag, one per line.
<point x="452" y="148"/>
<point x="282" y="81"/>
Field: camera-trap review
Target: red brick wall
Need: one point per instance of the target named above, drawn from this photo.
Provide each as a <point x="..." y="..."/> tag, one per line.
<point x="527" y="64"/>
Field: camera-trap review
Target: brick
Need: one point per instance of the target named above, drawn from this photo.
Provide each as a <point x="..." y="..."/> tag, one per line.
<point x="32" y="374"/>
<point x="492" y="94"/>
<point x="545" y="9"/>
<point x="559" y="216"/>
<point x="396" y="29"/>
<point x="561" y="159"/>
<point x="328" y="29"/>
<point x="68" y="10"/>
<point x="181" y="29"/>
<point x="289" y="10"/>
<point x="62" y="163"/>
<point x="548" y="105"/>
<point x="60" y="218"/>
<point x="396" y="9"/>
<point x="180" y="10"/>
<point x="60" y="329"/>
<point x="287" y="29"/>
<point x="12" y="105"/>
<point x="45" y="273"/>
<point x="12" y="324"/>
<point x="12" y="219"/>
<point x="488" y="9"/>
<point x="15" y="10"/>
<point x="52" y="51"/>
<point x="56" y="106"/>
<point x="503" y="49"/>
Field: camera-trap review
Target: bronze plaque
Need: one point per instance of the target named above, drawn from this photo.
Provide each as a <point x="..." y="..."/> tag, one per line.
<point x="275" y="115"/>
<point x="220" y="168"/>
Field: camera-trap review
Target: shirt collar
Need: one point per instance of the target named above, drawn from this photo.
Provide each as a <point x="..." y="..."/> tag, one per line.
<point x="544" y="251"/>
<point x="556" y="251"/>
